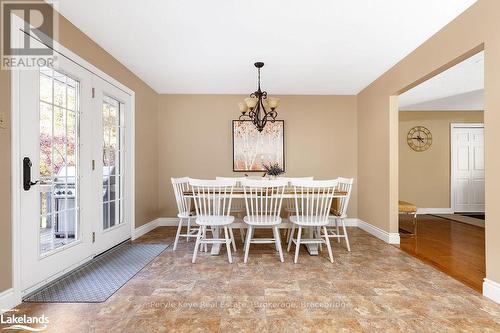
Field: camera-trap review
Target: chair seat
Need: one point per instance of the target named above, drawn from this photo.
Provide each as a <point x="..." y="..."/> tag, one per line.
<point x="214" y="220"/>
<point x="311" y="221"/>
<point x="264" y="220"/>
<point x="185" y="215"/>
<point x="337" y="215"/>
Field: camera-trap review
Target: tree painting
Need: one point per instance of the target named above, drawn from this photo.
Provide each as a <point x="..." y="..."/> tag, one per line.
<point x="252" y="149"/>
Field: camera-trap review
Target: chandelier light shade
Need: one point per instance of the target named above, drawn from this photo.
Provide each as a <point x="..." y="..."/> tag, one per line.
<point x="259" y="108"/>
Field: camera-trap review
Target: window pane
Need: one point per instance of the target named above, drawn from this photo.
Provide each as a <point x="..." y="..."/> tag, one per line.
<point x="45" y="89"/>
<point x="59" y="93"/>
<point x="45" y="140"/>
<point x="71" y="98"/>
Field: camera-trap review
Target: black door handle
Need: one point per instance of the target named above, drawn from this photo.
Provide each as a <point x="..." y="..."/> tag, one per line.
<point x="27" y="183"/>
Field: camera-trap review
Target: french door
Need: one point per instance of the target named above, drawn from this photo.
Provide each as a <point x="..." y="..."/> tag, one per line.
<point x="73" y="149"/>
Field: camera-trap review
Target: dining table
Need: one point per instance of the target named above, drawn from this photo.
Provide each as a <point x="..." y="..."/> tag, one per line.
<point x="289" y="193"/>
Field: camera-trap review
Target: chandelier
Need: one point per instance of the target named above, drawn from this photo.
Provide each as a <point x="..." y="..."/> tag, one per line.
<point x="259" y="108"/>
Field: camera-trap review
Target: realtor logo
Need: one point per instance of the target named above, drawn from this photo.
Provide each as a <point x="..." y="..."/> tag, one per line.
<point x="28" y="31"/>
<point x="10" y="320"/>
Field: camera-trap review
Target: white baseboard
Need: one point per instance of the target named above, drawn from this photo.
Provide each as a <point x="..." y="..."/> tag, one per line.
<point x="491" y="289"/>
<point x="168" y="221"/>
<point x="144" y="229"/>
<point x="434" y="211"/>
<point x="391" y="238"/>
<point x="351" y="222"/>
<point x="8" y="300"/>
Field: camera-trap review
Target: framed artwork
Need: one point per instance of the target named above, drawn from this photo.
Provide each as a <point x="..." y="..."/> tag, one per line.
<point x="252" y="149"/>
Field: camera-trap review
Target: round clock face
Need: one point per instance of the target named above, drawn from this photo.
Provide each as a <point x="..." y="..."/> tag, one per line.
<point x="419" y="138"/>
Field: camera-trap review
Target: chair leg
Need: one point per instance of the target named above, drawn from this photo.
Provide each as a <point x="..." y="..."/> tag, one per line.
<point x="247" y="243"/>
<point x="242" y="235"/>
<point x="290" y="238"/>
<point x="177" y="234"/>
<point x="232" y="239"/>
<point x="197" y="244"/>
<point x="188" y="229"/>
<point x="297" y="245"/>
<point x="287" y="233"/>
<point x="228" y="245"/>
<point x="277" y="240"/>
<point x="328" y="245"/>
<point x="346" y="236"/>
<point x="276" y="247"/>
<point x="204" y="235"/>
<point x="318" y="234"/>
<point x="338" y="229"/>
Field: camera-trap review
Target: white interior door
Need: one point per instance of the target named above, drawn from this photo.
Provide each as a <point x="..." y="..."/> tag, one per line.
<point x="467" y="168"/>
<point x="56" y="122"/>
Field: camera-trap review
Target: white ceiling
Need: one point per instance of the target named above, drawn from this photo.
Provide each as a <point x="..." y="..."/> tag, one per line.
<point x="309" y="47"/>
<point x="458" y="88"/>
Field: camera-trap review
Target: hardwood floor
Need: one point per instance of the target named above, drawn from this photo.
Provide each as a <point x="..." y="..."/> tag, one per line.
<point x="455" y="248"/>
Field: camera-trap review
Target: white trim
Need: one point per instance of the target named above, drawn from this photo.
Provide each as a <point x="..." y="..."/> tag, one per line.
<point x="16" y="159"/>
<point x="145" y="228"/>
<point x="15" y="184"/>
<point x="421" y="211"/>
<point x="390" y="238"/>
<point x="454" y="126"/>
<point x="351" y="222"/>
<point x="467" y="125"/>
<point x="8" y="300"/>
<point x="491" y="289"/>
<point x="167" y="221"/>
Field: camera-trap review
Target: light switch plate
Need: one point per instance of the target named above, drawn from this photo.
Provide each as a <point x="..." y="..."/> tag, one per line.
<point x="3" y="121"/>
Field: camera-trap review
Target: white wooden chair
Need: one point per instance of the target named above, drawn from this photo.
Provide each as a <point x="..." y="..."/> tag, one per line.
<point x="340" y="213"/>
<point x="184" y="209"/>
<point x="263" y="200"/>
<point x="290" y="203"/>
<point x="313" y="200"/>
<point x="212" y="199"/>
<point x="237" y="206"/>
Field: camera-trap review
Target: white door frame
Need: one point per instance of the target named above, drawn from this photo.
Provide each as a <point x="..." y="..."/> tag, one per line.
<point x="453" y="127"/>
<point x="16" y="177"/>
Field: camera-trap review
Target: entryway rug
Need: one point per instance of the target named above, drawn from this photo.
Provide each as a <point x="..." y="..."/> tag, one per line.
<point x="97" y="280"/>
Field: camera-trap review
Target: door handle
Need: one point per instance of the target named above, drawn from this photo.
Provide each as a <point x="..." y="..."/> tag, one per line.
<point x="27" y="183"/>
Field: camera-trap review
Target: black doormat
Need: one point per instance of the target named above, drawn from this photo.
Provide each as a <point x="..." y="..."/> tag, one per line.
<point x="97" y="280"/>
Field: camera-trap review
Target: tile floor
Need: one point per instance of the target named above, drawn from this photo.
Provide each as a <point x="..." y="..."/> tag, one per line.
<point x="374" y="288"/>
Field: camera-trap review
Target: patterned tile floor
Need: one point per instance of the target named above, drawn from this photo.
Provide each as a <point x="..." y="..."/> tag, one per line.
<point x="374" y="288"/>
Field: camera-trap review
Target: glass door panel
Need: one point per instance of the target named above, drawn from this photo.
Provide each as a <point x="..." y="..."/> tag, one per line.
<point x="59" y="174"/>
<point x="112" y="115"/>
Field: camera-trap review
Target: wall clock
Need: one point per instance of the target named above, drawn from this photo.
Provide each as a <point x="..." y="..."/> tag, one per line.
<point x="419" y="138"/>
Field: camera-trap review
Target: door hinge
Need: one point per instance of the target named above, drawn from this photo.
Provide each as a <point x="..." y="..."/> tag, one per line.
<point x="93" y="165"/>
<point x="93" y="92"/>
<point x="93" y="237"/>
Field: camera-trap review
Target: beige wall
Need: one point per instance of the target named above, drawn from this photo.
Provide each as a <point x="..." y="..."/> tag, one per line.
<point x="424" y="177"/>
<point x="378" y="124"/>
<point x="146" y="164"/>
<point x="195" y="139"/>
